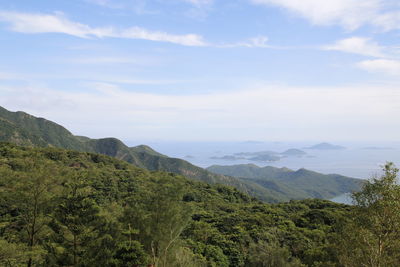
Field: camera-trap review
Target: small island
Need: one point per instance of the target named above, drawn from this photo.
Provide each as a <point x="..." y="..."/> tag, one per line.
<point x="325" y="146"/>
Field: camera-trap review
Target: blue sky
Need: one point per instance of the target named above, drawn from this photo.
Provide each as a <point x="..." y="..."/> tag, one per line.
<point x="205" y="69"/>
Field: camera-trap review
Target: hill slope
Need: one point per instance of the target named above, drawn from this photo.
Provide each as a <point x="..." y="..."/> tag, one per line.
<point x="295" y="184"/>
<point x="63" y="208"/>
<point x="24" y="129"/>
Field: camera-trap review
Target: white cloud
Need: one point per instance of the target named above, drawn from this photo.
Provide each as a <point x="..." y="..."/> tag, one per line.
<point x="255" y="42"/>
<point x="357" y="45"/>
<point x="271" y="112"/>
<point x="386" y="66"/>
<point x="199" y="2"/>
<point x="351" y="14"/>
<point x="57" y="23"/>
<point x="259" y="41"/>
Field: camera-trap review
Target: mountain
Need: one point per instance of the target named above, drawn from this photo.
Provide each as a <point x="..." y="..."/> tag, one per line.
<point x="293" y="152"/>
<point x="325" y="146"/>
<point x="66" y="208"/>
<point x="264" y="156"/>
<point x="24" y="129"/>
<point x="291" y="184"/>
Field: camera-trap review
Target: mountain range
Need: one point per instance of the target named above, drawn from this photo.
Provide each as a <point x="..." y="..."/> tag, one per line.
<point x="298" y="184"/>
<point x="26" y="130"/>
<point x="325" y="146"/>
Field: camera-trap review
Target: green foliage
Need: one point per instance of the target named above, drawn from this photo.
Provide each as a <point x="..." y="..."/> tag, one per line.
<point x="130" y="253"/>
<point x="94" y="210"/>
<point x="264" y="254"/>
<point x="371" y="237"/>
<point x="286" y="184"/>
<point x="160" y="215"/>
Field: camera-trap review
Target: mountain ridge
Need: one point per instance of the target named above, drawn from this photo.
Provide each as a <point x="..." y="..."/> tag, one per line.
<point x="300" y="183"/>
<point x="33" y="131"/>
<point x="24" y="129"/>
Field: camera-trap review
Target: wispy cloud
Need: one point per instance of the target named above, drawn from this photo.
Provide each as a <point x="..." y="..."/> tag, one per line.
<point x="357" y="45"/>
<point x="350" y="14"/>
<point x="386" y="66"/>
<point x="139" y="7"/>
<point x="58" y="23"/>
<point x="199" y="3"/>
<point x="255" y="42"/>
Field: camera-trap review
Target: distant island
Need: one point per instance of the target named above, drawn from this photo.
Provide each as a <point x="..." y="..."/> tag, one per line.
<point x="377" y="148"/>
<point x="227" y="157"/>
<point x="263" y="156"/>
<point x="325" y="146"/>
<point x="293" y="152"/>
<point x="253" y="142"/>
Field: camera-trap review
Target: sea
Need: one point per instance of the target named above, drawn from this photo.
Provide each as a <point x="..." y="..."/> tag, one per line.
<point x="357" y="160"/>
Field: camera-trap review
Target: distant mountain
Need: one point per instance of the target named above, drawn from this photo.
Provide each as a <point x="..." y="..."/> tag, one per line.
<point x="253" y="142"/>
<point x="26" y="130"/>
<point x="291" y="184"/>
<point x="258" y="153"/>
<point x="227" y="157"/>
<point x="293" y="152"/>
<point x="325" y="146"/>
<point x="264" y="156"/>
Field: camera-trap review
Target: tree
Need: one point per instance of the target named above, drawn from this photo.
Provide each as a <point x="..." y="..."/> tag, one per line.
<point x="81" y="235"/>
<point x="29" y="189"/>
<point x="371" y="237"/>
<point x="160" y="215"/>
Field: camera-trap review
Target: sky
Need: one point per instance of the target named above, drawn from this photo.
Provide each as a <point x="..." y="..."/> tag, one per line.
<point x="205" y="70"/>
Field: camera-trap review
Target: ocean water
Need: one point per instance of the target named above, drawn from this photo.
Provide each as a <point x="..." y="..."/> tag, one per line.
<point x="359" y="160"/>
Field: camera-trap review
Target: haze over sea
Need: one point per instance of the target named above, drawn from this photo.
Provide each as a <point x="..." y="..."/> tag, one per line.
<point x="359" y="160"/>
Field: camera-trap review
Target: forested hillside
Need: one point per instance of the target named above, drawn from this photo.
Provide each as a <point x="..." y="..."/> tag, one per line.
<point x="291" y="184"/>
<point x="67" y="208"/>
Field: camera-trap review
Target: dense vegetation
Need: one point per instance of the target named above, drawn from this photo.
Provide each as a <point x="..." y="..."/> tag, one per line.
<point x="289" y="184"/>
<point x="23" y="129"/>
<point x="67" y="208"/>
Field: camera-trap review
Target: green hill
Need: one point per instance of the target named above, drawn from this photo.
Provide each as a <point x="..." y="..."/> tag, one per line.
<point x="291" y="184"/>
<point x="24" y="129"/>
<point x="67" y="208"/>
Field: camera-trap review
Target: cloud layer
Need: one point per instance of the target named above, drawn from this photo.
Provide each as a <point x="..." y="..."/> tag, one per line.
<point x="265" y="112"/>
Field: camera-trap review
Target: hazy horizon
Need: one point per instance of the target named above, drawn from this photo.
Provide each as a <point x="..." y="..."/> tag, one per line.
<point x="205" y="70"/>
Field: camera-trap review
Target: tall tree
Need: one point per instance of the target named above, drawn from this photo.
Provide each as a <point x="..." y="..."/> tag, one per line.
<point x="78" y="226"/>
<point x="160" y="215"/>
<point x="29" y="187"/>
<point x="372" y="235"/>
